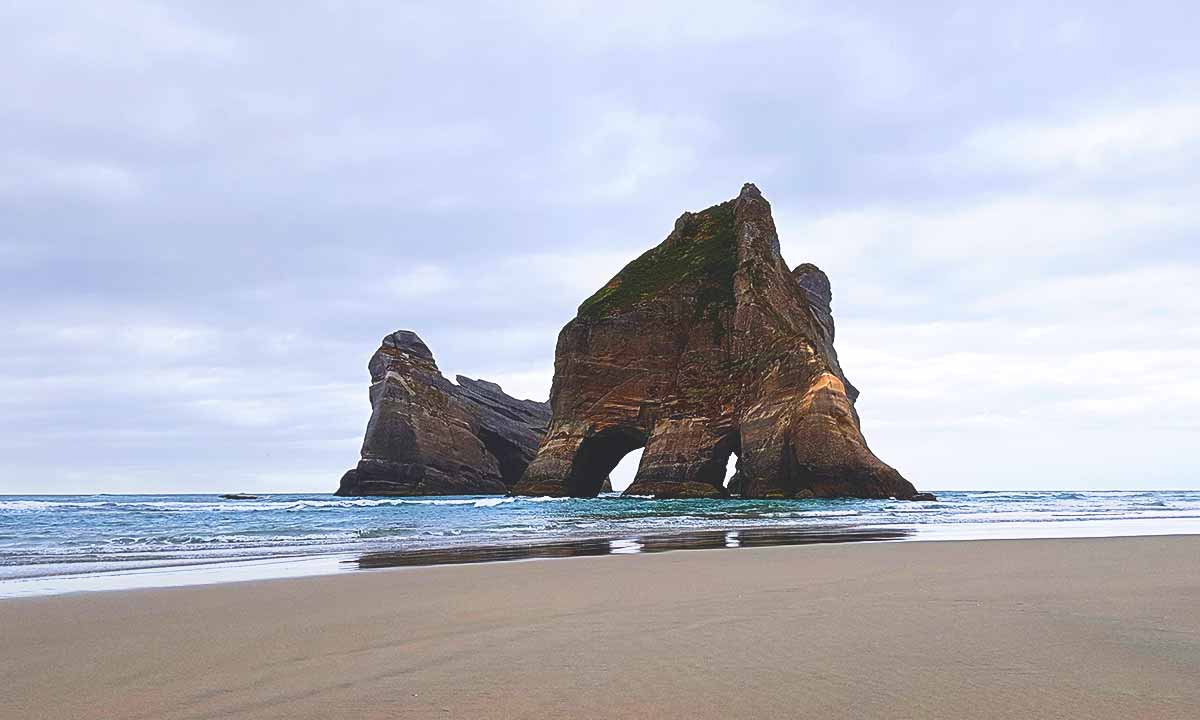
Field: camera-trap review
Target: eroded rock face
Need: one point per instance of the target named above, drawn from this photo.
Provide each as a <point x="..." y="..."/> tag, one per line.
<point x="428" y="436"/>
<point x="704" y="346"/>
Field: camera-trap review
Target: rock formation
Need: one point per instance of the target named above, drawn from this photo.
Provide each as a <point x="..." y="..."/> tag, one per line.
<point x="428" y="436"/>
<point x="704" y="346"/>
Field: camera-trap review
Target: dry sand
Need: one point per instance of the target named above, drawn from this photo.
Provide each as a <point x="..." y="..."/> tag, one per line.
<point x="1104" y="628"/>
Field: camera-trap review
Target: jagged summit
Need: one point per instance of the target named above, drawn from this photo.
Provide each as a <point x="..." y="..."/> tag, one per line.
<point x="407" y="341"/>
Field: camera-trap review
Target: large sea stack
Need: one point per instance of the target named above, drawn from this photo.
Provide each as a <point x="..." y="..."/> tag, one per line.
<point x="704" y="346"/>
<point x="428" y="436"/>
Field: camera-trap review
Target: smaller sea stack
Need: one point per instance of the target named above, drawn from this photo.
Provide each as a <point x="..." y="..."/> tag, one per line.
<point x="429" y="436"/>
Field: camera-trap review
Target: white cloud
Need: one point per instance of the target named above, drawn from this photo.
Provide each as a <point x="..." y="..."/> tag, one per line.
<point x="354" y="146"/>
<point x="128" y="34"/>
<point x="1165" y="291"/>
<point x="865" y="56"/>
<point x="575" y="274"/>
<point x="1002" y="196"/>
<point x="1140" y="139"/>
<point x="614" y="153"/>
<point x="157" y="340"/>
<point x="602" y="26"/>
<point x="992" y="230"/>
<point x="531" y="384"/>
<point x="27" y="175"/>
<point x="421" y="281"/>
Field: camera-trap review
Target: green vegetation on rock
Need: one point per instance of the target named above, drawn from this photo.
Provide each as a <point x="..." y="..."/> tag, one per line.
<point x="701" y="253"/>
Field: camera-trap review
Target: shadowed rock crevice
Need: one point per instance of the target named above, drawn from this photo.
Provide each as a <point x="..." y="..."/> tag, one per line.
<point x="703" y="346"/>
<point x="511" y="461"/>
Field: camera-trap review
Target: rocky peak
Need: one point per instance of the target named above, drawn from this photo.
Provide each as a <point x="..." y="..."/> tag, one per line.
<point x="749" y="190"/>
<point x="402" y="349"/>
<point x="406" y="342"/>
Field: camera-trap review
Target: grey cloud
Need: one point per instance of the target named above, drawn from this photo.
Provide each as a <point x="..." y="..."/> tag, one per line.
<point x="210" y="213"/>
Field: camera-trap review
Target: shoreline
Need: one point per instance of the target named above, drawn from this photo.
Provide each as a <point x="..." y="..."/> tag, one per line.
<point x="216" y="571"/>
<point x="78" y="543"/>
<point x="1097" y="628"/>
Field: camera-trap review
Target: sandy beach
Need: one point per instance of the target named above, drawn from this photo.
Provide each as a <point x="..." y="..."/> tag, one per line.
<point x="1094" y="628"/>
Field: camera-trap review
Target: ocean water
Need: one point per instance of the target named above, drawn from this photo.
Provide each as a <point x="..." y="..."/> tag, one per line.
<point x="64" y="543"/>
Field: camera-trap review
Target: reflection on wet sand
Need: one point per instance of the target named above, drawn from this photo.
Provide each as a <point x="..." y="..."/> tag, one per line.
<point x="702" y="540"/>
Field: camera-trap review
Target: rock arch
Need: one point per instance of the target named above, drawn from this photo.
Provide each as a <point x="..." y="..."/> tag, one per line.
<point x="704" y="345"/>
<point x="596" y="457"/>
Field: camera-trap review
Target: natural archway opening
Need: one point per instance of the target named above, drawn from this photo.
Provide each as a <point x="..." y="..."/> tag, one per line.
<point x="724" y="464"/>
<point x="597" y="456"/>
<point x="509" y="457"/>
<point x="623" y="474"/>
<point x="731" y="468"/>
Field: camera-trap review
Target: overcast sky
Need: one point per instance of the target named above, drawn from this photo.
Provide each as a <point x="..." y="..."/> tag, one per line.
<point x="210" y="213"/>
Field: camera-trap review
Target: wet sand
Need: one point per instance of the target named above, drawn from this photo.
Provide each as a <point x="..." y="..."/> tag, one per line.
<point x="1092" y="628"/>
<point x="634" y="545"/>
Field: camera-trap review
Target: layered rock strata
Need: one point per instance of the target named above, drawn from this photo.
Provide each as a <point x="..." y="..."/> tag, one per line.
<point x="429" y="436"/>
<point x="704" y="346"/>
